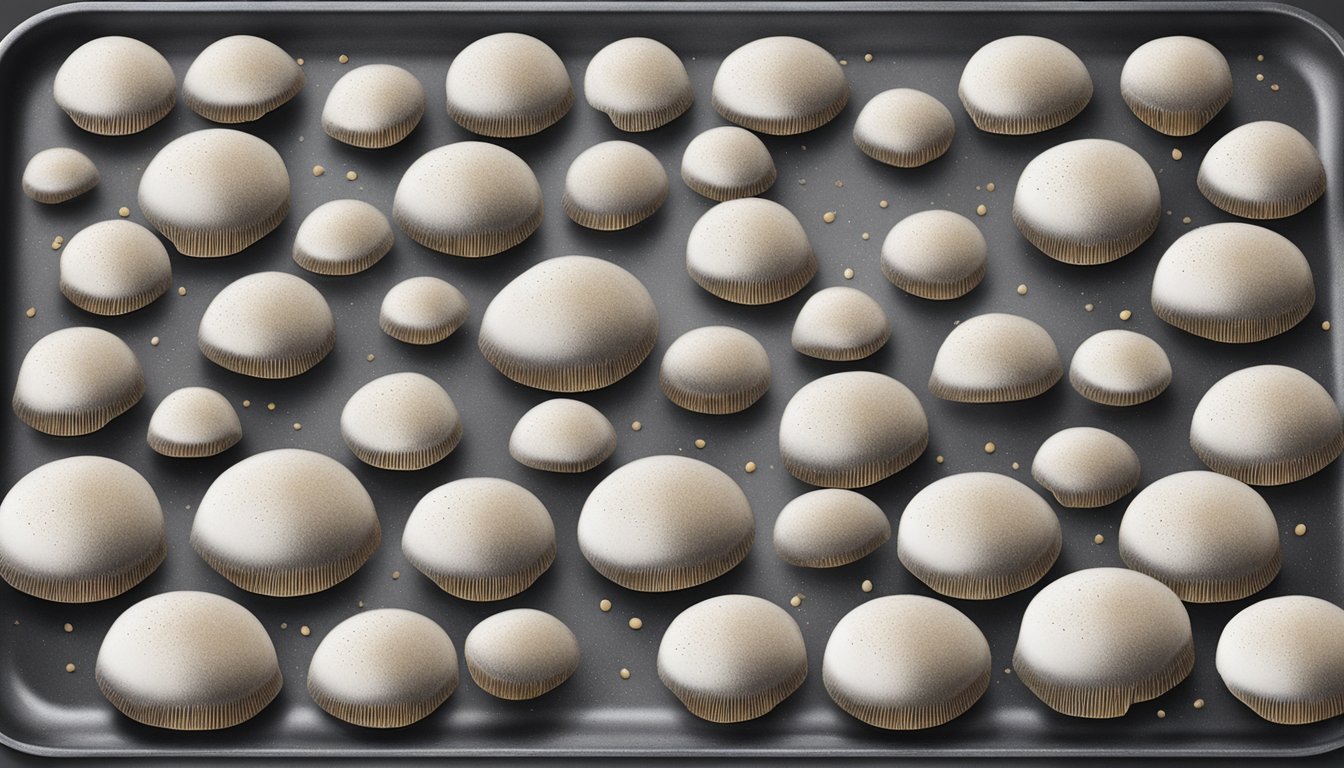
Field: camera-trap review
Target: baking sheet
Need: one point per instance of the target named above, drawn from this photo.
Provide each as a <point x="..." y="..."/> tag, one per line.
<point x="45" y="710"/>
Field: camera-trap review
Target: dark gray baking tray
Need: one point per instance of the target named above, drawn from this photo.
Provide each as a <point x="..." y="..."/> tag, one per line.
<point x="45" y="710"/>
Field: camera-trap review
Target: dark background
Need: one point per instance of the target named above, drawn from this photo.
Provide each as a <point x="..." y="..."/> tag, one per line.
<point x="13" y="12"/>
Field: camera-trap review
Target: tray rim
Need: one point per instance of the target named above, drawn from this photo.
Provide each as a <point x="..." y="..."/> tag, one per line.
<point x="1258" y="7"/>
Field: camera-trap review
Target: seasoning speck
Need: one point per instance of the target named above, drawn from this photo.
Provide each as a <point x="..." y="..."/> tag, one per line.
<point x="1022" y="289"/>
<point x="1125" y="314"/>
<point x="123" y="211"/>
<point x="69" y="667"/>
<point x="849" y="273"/>
<point x="867" y="57"/>
<point x="750" y="467"/>
<point x="69" y="627"/>
<point x="636" y="623"/>
<point x="1098" y="539"/>
<point x="981" y="210"/>
<point x="625" y="673"/>
<point x="699" y="443"/>
<point x="154" y="341"/>
<point x="351" y="175"/>
<point x="882" y="204"/>
<point x="1176" y="154"/>
<point x="604" y="605"/>
<point x="828" y="217"/>
<point x="1199" y="703"/>
<point x="344" y="59"/>
<point x="318" y="170"/>
<point x="305" y="631"/>
<point x="636" y="426"/>
<point x="796" y="600"/>
<point x="31" y="312"/>
<point x="1300" y="529"/>
<point x="990" y="447"/>
<point x="867" y="585"/>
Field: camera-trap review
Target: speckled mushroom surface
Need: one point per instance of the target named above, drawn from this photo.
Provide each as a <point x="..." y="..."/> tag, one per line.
<point x="840" y="324"/>
<point x="214" y="192"/>
<point x="1119" y="367"/>
<point x="1176" y="84"/>
<point x="726" y="163"/>
<point x="828" y="528"/>
<point x="732" y="658"/>
<point x="1233" y="282"/>
<point x="469" y="199"/>
<point x="270" y="325"/>
<point x="562" y="435"/>
<point x="374" y="106"/>
<point x="569" y="324"/>
<point x="995" y="358"/>
<point x="614" y="185"/>
<point x="480" y="538"/>
<point x="663" y="523"/>
<point x="1024" y="84"/>
<point x="1267" y="425"/>
<point x="385" y="668"/>
<point x="639" y="83"/>
<point x="422" y="310"/>
<point x="115" y="86"/>
<point x="403" y="421"/>
<point x="935" y="255"/>
<point x="286" y="522"/>
<point x="1086" y="467"/>
<point x="715" y="369"/>
<point x="750" y="251"/>
<point x="904" y="662"/>
<point x="59" y="174"/>
<point x="79" y="530"/>
<point x="193" y="422"/>
<point x="1284" y="658"/>
<point x="507" y="85"/>
<point x="521" y="654"/>
<point x="188" y="661"/>
<point x="1096" y="641"/>
<point x="114" y="267"/>
<point x="342" y="237"/>
<point x="75" y="380"/>
<point x="904" y="127"/>
<point x="1208" y="537"/>
<point x="1088" y="201"/>
<point x="851" y="429"/>
<point x="978" y="536"/>
<point x="1262" y="170"/>
<point x="780" y="86"/>
<point x="240" y="78"/>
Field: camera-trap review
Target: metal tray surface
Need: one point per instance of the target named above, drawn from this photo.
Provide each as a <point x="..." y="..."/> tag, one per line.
<point x="45" y="710"/>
